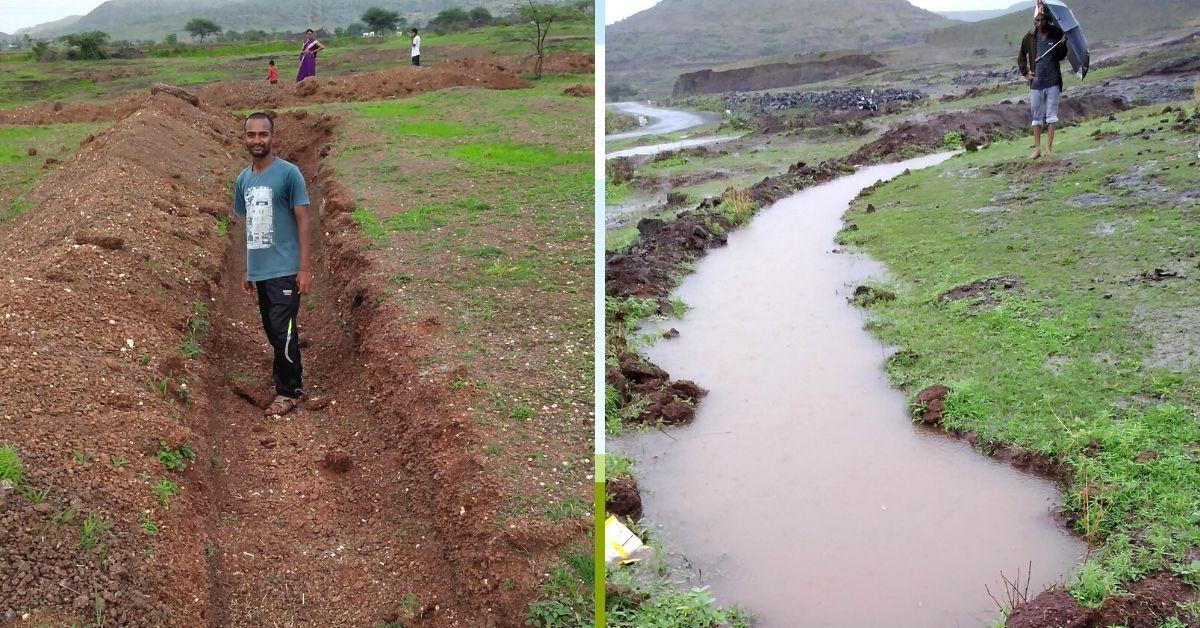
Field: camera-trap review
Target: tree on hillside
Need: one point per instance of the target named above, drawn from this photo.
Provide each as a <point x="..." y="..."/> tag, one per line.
<point x="355" y="29"/>
<point x="171" y="39"/>
<point x="90" y="45"/>
<point x="481" y="16"/>
<point x="450" y="19"/>
<point x="539" y="17"/>
<point x="380" y="20"/>
<point x="201" y="27"/>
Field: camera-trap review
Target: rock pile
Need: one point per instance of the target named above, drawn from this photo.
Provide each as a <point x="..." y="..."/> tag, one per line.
<point x="856" y="98"/>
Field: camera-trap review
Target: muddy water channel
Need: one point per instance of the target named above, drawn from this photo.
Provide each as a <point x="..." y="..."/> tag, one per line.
<point x="802" y="491"/>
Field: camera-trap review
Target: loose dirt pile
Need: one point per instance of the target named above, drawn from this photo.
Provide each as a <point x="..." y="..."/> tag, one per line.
<point x="98" y="282"/>
<point x="396" y="82"/>
<point x="1148" y="604"/>
<point x="124" y="343"/>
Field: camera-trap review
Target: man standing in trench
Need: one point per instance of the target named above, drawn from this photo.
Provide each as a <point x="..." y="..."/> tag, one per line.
<point x="1042" y="50"/>
<point x="270" y="193"/>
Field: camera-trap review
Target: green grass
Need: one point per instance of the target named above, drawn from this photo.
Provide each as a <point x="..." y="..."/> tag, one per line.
<point x="10" y="465"/>
<point x="506" y="155"/>
<point x="20" y="172"/>
<point x="567" y="594"/>
<point x="1087" y="361"/>
<point x="670" y="608"/>
<point x="90" y="528"/>
<point x="164" y="490"/>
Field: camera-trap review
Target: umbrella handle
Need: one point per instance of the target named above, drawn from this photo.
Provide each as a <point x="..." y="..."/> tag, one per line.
<point x="1047" y="52"/>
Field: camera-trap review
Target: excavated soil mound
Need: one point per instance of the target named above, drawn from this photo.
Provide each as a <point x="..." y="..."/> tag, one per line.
<point x="398" y="81"/>
<point x="976" y="126"/>
<point x="645" y="268"/>
<point x="982" y="292"/>
<point x="58" y="112"/>
<point x="622" y="497"/>
<point x="580" y="91"/>
<point x="82" y="332"/>
<point x="563" y="63"/>
<point x="1148" y="604"/>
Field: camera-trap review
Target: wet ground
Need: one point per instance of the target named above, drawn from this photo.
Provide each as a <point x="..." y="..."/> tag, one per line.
<point x="658" y="148"/>
<point x="659" y="120"/>
<point x="802" y="490"/>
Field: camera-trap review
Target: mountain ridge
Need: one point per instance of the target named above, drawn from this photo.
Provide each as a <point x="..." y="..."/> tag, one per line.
<point x="679" y="36"/>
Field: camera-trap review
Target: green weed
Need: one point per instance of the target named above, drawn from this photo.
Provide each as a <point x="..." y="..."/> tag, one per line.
<point x="164" y="490"/>
<point x="174" y="458"/>
<point x="92" y="526"/>
<point x="147" y="524"/>
<point x="737" y="206"/>
<point x="10" y="465"/>
<point x="521" y="413"/>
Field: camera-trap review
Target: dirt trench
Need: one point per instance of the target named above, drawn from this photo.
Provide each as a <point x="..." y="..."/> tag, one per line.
<point x="123" y="332"/>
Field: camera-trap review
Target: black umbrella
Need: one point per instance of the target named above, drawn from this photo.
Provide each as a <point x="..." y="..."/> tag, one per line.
<point x="1077" y="48"/>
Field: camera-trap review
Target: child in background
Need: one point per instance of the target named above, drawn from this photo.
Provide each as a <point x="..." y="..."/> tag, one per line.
<point x="272" y="72"/>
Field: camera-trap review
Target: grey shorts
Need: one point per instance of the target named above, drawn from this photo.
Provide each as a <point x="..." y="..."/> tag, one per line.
<point x="1043" y="105"/>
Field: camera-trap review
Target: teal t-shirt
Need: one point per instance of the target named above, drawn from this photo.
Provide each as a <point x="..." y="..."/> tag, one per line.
<point x="266" y="200"/>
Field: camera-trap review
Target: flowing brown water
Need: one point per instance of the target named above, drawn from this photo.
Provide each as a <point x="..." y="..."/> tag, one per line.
<point x="802" y="491"/>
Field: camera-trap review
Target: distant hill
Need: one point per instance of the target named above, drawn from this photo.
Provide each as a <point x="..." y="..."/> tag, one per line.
<point x="986" y="14"/>
<point x="153" y="19"/>
<point x="34" y="31"/>
<point x="1102" y="20"/>
<point x="648" y="50"/>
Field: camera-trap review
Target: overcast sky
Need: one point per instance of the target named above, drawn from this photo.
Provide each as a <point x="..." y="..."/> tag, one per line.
<point x="620" y="9"/>
<point x="16" y="14"/>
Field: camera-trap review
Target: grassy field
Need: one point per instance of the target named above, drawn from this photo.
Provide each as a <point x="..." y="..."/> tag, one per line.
<point x="20" y="171"/>
<point x="1091" y="359"/>
<point x="23" y="81"/>
<point x="478" y="206"/>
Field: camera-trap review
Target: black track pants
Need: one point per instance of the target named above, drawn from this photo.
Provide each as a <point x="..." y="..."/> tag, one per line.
<point x="279" y="302"/>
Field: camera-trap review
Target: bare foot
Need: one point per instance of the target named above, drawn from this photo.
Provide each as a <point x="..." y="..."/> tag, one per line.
<point x="1035" y="154"/>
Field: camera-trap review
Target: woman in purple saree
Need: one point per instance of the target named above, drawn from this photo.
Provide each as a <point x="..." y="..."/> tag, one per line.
<point x="308" y="56"/>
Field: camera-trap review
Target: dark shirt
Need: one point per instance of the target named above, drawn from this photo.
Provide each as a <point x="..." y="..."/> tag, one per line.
<point x="1031" y="48"/>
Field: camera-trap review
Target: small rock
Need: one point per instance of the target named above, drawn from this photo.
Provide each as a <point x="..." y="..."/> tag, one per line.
<point x="338" y="461"/>
<point x="31" y="151"/>
<point x="671" y="333"/>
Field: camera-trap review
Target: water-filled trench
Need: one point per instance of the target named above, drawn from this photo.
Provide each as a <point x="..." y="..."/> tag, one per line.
<point x="802" y="491"/>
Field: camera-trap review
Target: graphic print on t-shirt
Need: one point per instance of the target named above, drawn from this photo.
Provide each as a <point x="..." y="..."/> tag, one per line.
<point x="260" y="218"/>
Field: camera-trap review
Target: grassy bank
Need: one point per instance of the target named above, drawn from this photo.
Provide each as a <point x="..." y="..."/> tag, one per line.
<point x="477" y="206"/>
<point x="1090" y="357"/>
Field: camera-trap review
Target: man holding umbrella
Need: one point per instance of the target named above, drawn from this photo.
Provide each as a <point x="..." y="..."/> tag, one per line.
<point x="1042" y="49"/>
